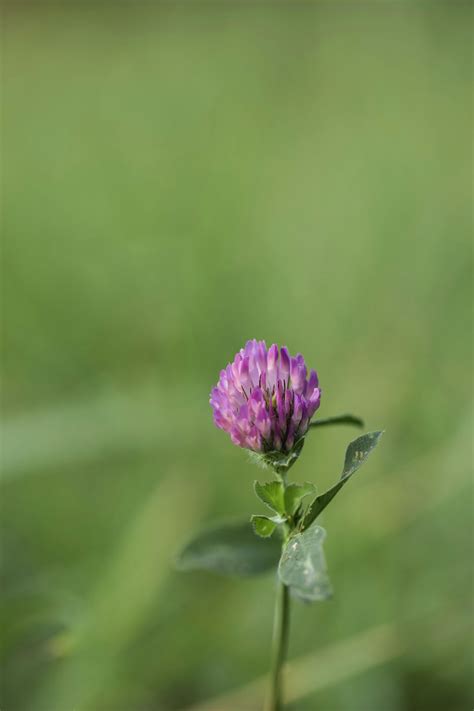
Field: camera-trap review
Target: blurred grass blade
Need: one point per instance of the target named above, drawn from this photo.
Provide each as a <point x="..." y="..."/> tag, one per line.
<point x="123" y="600"/>
<point x="306" y="675"/>
<point x="114" y="420"/>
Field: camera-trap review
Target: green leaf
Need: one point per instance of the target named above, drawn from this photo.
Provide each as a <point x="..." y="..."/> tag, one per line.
<point x="272" y="495"/>
<point x="265" y="525"/>
<point x="294" y="493"/>
<point x="356" y="454"/>
<point x="358" y="451"/>
<point x="303" y="567"/>
<point x="230" y="548"/>
<point x="339" y="420"/>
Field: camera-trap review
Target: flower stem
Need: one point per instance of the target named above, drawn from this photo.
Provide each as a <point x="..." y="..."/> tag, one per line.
<point x="281" y="628"/>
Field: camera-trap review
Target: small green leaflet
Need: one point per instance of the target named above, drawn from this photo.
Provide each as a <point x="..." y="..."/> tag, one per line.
<point x="294" y="493"/>
<point x="230" y="548"/>
<point x="282" y="501"/>
<point x="303" y="567"/>
<point x="272" y="495"/>
<point x="356" y="454"/>
<point x="265" y="525"/>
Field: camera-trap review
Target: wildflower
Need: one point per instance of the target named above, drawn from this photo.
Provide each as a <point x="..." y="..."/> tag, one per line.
<point x="264" y="399"/>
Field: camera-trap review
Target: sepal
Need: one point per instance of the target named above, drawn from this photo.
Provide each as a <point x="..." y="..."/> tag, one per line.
<point x="281" y="462"/>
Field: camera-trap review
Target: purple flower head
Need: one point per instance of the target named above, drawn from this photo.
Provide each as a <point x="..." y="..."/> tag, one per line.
<point x="265" y="399"/>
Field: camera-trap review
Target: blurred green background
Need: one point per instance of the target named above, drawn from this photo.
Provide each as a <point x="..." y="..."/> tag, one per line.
<point x="179" y="178"/>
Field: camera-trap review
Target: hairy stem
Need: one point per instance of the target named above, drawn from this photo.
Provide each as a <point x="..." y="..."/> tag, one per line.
<point x="281" y="628"/>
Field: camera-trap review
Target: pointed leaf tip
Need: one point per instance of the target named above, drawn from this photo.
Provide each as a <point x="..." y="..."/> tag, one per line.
<point x="358" y="451"/>
<point x="356" y="454"/>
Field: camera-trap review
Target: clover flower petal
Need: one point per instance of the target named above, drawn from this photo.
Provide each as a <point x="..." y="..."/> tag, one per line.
<point x="264" y="399"/>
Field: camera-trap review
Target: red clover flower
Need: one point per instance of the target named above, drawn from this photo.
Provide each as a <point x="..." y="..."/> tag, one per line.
<point x="264" y="399"/>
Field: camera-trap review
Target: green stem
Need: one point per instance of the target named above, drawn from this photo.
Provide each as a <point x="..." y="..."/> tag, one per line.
<point x="281" y="628"/>
<point x="339" y="420"/>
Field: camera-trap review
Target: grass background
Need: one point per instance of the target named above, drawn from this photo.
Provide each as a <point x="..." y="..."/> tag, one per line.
<point x="178" y="178"/>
